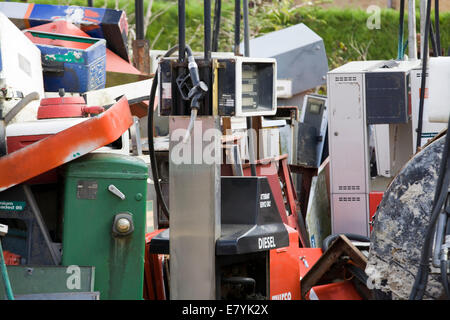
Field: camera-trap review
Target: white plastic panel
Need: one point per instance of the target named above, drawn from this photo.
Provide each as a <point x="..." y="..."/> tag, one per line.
<point x="382" y="149"/>
<point x="439" y="83"/>
<point x="350" y="214"/>
<point x="20" y="67"/>
<point x="347" y="134"/>
<point x="429" y="129"/>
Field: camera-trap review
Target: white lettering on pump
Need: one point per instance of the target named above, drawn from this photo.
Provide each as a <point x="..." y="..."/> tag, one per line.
<point x="265" y="196"/>
<point x="266" y="243"/>
<point x="265" y="200"/>
<point x="282" y="296"/>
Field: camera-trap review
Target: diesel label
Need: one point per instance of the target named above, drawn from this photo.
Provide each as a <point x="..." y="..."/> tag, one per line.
<point x="266" y="243"/>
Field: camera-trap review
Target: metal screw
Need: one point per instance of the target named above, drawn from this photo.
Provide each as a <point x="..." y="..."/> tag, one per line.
<point x="123" y="225"/>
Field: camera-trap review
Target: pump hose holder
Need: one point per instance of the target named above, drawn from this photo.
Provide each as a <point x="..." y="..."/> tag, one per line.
<point x="184" y="85"/>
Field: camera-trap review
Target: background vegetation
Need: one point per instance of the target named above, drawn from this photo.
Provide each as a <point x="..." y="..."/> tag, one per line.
<point x="344" y="31"/>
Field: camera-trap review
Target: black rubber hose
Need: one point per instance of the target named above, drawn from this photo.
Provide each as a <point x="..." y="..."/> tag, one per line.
<point x="207" y="15"/>
<point x="182" y="28"/>
<point x="444" y="266"/>
<point x="400" y="30"/>
<point x="351" y="236"/>
<point x="443" y="181"/>
<point x="216" y="30"/>
<point x="150" y="126"/>
<point x="424" y="75"/>
<point x="251" y="138"/>
<point x="237" y="26"/>
<point x="151" y="148"/>
<point x="421" y="279"/>
<point x="438" y="27"/>
<point x="444" y="278"/>
<point x="433" y="41"/>
<point x="151" y="142"/>
<point x="246" y="30"/>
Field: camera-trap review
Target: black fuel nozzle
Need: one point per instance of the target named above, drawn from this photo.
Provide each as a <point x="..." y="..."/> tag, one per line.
<point x="199" y="87"/>
<point x="197" y="93"/>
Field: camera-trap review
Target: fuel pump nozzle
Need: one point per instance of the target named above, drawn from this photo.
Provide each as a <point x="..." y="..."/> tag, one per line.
<point x="197" y="92"/>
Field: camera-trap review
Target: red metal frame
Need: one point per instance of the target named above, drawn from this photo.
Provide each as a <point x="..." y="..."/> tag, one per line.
<point x="285" y="271"/>
<point x="374" y="201"/>
<point x="153" y="273"/>
<point x="343" y="290"/>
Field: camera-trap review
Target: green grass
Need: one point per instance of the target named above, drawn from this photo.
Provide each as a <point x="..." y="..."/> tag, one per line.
<point x="344" y="31"/>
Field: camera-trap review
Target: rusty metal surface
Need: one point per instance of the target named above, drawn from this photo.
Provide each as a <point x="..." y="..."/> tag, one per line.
<point x="341" y="246"/>
<point x="141" y="55"/>
<point x="65" y="146"/>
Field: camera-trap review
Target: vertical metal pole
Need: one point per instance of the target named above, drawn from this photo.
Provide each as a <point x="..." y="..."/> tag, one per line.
<point x="438" y="27"/>
<point x="424" y="72"/>
<point x="90" y="3"/>
<point x="237" y="26"/>
<point x="412" y="38"/>
<point x="423" y="16"/>
<point x="400" y="53"/>
<point x="250" y="131"/>
<point x="139" y="14"/>
<point x="246" y="30"/>
<point x="217" y="14"/>
<point x="207" y="15"/>
<point x="181" y="29"/>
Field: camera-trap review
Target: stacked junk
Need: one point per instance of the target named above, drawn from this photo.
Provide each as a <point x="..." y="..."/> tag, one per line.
<point x="73" y="196"/>
<point x="83" y="204"/>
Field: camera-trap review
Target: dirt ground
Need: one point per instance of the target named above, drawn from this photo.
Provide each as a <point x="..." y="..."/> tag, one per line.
<point x="364" y="4"/>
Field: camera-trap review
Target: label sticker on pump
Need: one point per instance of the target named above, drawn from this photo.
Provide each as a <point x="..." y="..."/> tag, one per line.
<point x="12" y="205"/>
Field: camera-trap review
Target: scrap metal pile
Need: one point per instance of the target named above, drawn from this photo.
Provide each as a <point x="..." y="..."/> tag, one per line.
<point x="308" y="196"/>
<point x="69" y="96"/>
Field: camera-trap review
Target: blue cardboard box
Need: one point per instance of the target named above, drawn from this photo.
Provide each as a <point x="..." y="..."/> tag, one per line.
<point x="108" y="24"/>
<point x="76" y="64"/>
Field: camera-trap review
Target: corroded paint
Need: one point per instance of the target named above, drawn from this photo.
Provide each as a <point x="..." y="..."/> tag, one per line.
<point x="400" y="226"/>
<point x="70" y="56"/>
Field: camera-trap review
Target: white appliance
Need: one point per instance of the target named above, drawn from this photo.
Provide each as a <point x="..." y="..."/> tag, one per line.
<point x="20" y="70"/>
<point x="360" y="94"/>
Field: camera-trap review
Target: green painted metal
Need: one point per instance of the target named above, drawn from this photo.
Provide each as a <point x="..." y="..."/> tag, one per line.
<point x="54" y="36"/>
<point x="49" y="279"/>
<point x="89" y="211"/>
<point x="5" y="276"/>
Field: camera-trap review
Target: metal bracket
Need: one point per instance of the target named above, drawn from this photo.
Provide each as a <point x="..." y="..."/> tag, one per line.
<point x="339" y="247"/>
